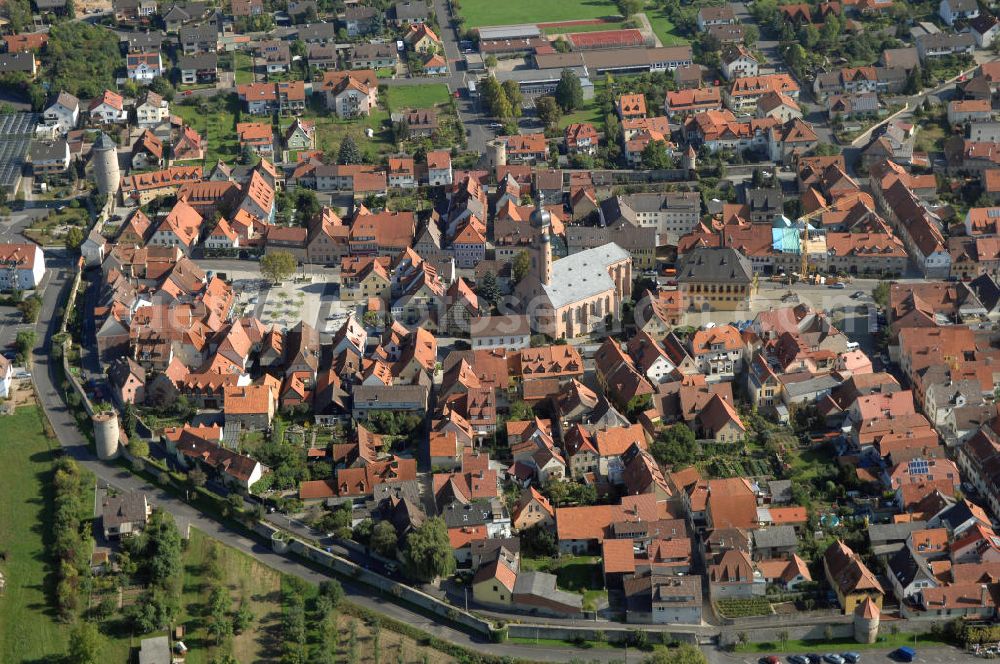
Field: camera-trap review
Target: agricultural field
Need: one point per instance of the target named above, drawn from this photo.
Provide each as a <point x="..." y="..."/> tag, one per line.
<point x="479" y="13"/>
<point x="403" y="97"/>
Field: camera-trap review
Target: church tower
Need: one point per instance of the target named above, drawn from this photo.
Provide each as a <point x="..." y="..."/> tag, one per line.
<point x="542" y="220"/>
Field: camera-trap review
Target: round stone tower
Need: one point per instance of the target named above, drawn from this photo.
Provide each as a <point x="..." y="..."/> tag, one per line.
<point x="105" y="165"/>
<point x="106" y="434"/>
<point x="866" y="620"/>
<point x="690" y="160"/>
<point x="496" y="153"/>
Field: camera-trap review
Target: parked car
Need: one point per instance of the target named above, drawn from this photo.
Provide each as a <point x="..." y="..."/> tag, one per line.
<point x="851" y="657"/>
<point x="839" y="286"/>
<point x="798" y="659"/>
<point x="769" y="659"/>
<point x="833" y="658"/>
<point x="858" y="294"/>
<point x="903" y="654"/>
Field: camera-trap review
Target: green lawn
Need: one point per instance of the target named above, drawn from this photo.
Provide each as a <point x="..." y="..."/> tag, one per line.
<point x="243" y="66"/>
<point x="663" y="26"/>
<point x="401" y="97"/>
<point x="28" y="629"/>
<point x="480" y="13"/>
<point x="590" y="112"/>
<point x="330" y="131"/>
<point x="218" y="127"/>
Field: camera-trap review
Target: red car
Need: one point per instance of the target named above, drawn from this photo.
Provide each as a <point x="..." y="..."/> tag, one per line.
<point x="187" y="93"/>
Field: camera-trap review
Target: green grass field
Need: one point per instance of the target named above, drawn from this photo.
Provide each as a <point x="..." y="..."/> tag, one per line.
<point x="243" y="66"/>
<point x="480" y="13"/>
<point x="416" y="96"/>
<point x="330" y="131"/>
<point x="28" y="628"/>
<point x="663" y="26"/>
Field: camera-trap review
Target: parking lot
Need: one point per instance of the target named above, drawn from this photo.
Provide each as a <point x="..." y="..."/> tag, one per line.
<point x="925" y="655"/>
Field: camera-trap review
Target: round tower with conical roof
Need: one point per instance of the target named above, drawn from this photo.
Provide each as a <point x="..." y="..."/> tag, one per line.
<point x="866" y="621"/>
<point x="690" y="160"/>
<point x="541" y="219"/>
<point x="105" y="164"/>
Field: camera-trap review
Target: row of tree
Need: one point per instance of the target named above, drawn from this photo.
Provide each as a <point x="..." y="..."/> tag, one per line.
<point x="71" y="544"/>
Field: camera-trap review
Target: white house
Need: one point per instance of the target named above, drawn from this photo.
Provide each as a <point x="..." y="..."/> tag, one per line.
<point x="22" y="266"/>
<point x="109" y="107"/>
<point x="144" y="67"/>
<point x="152" y="111"/>
<point x="954" y="10"/>
<point x="439" y="171"/>
<point x="93" y="248"/>
<point x="63" y="113"/>
<point x="738" y="62"/>
<point x="512" y="332"/>
<point x="985" y="29"/>
<point x="6" y="377"/>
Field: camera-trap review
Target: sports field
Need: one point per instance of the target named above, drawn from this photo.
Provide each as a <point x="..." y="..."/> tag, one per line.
<point x="479" y="13"/>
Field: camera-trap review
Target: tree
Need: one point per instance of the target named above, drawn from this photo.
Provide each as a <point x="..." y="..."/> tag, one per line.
<point x="332" y="590"/>
<point x="520" y="266"/>
<point x="569" y="92"/>
<point x="219" y="624"/>
<point x="30" y="308"/>
<point x="881" y="294"/>
<point x="349" y="152"/>
<point x="428" y="553"/>
<point x="751" y="33"/>
<point x="243" y="618"/>
<point x="307" y="206"/>
<point x="489" y="289"/>
<point x="490" y="61"/>
<point x="628" y="8"/>
<point x="512" y="91"/>
<point x="278" y="266"/>
<point x="674" y="446"/>
<point x="655" y="157"/>
<point x="24" y="342"/>
<point x="384" y="540"/>
<point x="84" y="644"/>
<point x="138" y="447"/>
<point x="548" y="111"/>
<point x="196" y="477"/>
<point x="683" y="654"/>
<point x="74" y="238"/>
